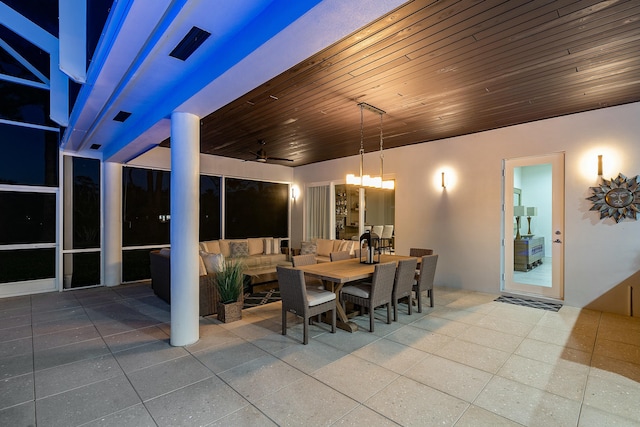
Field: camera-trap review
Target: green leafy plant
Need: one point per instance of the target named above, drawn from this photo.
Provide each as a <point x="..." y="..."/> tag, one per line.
<point x="229" y="281"/>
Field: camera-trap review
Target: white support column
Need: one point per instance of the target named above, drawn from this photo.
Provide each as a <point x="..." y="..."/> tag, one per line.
<point x="185" y="207"/>
<point x="112" y="223"/>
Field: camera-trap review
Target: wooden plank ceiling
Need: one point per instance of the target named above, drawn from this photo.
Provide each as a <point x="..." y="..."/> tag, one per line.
<point x="439" y="69"/>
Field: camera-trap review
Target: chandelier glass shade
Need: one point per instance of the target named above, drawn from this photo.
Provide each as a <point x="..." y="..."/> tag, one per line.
<point x="367" y="180"/>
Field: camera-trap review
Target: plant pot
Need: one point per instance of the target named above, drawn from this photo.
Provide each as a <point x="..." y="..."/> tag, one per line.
<point x="229" y="312"/>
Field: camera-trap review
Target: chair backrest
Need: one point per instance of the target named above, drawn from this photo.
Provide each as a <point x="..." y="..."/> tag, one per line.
<point x="405" y="274"/>
<point x="377" y="230"/>
<point x="339" y="256"/>
<point x="382" y="284"/>
<point x="419" y="252"/>
<point x="292" y="290"/>
<point x="300" y="260"/>
<point x="427" y="272"/>
<point x="387" y="232"/>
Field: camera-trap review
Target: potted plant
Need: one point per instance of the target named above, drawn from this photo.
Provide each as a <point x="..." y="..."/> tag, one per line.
<point x="229" y="282"/>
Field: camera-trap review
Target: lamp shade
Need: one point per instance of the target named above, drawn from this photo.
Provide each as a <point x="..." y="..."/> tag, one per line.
<point x="518" y="210"/>
<point x="532" y="211"/>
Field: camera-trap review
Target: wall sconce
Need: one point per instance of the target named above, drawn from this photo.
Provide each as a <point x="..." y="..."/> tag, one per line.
<point x="599" y="164"/>
<point x="444" y="184"/>
<point x="295" y="192"/>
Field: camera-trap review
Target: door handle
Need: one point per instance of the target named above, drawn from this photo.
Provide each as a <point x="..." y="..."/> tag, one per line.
<point x="557" y="241"/>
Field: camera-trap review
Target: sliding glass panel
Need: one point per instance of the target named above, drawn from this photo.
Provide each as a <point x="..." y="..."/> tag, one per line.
<point x="81" y="269"/>
<point x="86" y="203"/>
<point x="136" y="264"/>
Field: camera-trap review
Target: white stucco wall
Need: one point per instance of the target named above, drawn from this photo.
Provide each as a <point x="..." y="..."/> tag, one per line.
<point x="463" y="222"/>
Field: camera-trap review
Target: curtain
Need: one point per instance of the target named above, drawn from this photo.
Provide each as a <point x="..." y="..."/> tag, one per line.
<point x="317" y="212"/>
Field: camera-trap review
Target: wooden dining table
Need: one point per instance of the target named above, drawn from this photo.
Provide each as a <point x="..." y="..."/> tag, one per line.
<point x="336" y="274"/>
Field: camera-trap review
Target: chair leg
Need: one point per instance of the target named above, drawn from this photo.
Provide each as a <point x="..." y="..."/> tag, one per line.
<point x="395" y="310"/>
<point x="333" y="321"/>
<point x="409" y="302"/>
<point x="284" y="322"/>
<point x="388" y="313"/>
<point x="371" y="310"/>
<point x="419" y="298"/>
<point x="305" y="333"/>
<point x="431" y="296"/>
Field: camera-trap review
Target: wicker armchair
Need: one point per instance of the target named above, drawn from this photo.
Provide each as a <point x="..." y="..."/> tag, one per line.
<point x="339" y="256"/>
<point x="403" y="284"/>
<point x="424" y="281"/>
<point x="374" y="294"/>
<point x="308" y="259"/>
<point x="419" y="252"/>
<point x="303" y="302"/>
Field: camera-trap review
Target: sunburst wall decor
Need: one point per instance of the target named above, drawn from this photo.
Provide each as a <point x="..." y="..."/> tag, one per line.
<point x="617" y="198"/>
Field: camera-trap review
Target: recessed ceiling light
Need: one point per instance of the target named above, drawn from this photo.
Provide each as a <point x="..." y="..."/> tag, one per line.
<point x="122" y="116"/>
<point x="95" y="146"/>
<point x="192" y="41"/>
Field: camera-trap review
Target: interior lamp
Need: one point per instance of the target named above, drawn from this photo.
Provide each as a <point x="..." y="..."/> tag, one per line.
<point x="531" y="211"/>
<point x="518" y="211"/>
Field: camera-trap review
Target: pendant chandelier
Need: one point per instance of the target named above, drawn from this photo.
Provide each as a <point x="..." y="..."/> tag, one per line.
<point x="367" y="180"/>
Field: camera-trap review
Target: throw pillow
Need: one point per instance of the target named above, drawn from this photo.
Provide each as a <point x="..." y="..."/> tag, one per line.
<point x="165" y="251"/>
<point x="268" y="245"/>
<point x="307" y="248"/>
<point x="239" y="249"/>
<point x="256" y="246"/>
<point x="275" y="249"/>
<point x="347" y="245"/>
<point x="213" y="263"/>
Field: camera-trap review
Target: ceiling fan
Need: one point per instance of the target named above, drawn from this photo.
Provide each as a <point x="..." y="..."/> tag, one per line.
<point x="262" y="157"/>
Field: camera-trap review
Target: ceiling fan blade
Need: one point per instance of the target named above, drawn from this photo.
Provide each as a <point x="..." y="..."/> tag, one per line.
<point x="280" y="159"/>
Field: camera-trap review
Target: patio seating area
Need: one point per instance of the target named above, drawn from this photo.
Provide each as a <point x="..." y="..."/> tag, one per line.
<point x="102" y="357"/>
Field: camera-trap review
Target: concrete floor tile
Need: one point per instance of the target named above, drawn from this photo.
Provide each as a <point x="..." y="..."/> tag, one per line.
<point x="201" y="404"/>
<point x="355" y="377"/>
<point x="65" y="377"/>
<point x="527" y="405"/>
<point x="306" y="402"/>
<point x="410" y="403"/>
<point x="133" y="416"/>
<point x="260" y="377"/>
<point x="85" y="404"/>
<point x="166" y="377"/>
<point x="16" y="390"/>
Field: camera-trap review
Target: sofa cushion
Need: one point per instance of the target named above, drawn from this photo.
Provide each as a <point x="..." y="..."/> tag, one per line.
<point x="336" y="245"/>
<point x="225" y="249"/>
<point x="211" y="246"/>
<point x="238" y="249"/>
<point x="213" y="263"/>
<point x="307" y="248"/>
<point x="256" y="246"/>
<point x="275" y="245"/>
<point x="324" y="247"/>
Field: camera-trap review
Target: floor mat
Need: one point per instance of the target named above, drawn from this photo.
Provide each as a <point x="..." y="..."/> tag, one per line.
<point x="259" y="298"/>
<point x="529" y="303"/>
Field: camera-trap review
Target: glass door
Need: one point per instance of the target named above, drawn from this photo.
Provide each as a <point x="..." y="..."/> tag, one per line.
<point x="533" y="261"/>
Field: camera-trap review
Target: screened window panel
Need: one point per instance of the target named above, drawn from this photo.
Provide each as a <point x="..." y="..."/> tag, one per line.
<point x="31" y="218"/>
<point x="256" y="209"/>
<point x="145" y="207"/>
<point x="30" y="156"/>
<point x="209" y="207"/>
<point x="86" y="203"/>
<point x="28" y="264"/>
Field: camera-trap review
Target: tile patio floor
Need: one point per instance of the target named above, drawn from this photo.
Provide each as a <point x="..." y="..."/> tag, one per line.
<point x="101" y="357"/>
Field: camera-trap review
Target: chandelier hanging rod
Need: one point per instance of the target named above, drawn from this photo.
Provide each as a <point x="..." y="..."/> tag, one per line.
<point x="371" y="108"/>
